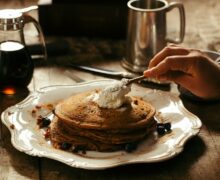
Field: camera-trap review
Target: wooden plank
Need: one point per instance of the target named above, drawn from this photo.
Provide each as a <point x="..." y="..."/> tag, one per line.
<point x="205" y="151"/>
<point x="48" y="76"/>
<point x="137" y="171"/>
<point x="14" y="164"/>
<point x="17" y="165"/>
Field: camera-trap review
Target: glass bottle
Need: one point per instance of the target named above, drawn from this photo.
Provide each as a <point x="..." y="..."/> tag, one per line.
<point x="16" y="64"/>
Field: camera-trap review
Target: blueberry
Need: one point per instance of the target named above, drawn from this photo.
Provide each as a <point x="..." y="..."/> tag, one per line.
<point x="79" y="148"/>
<point x="65" y="145"/>
<point x="161" y="130"/>
<point x="45" y="122"/>
<point x="167" y="126"/>
<point x="130" y="147"/>
<point x="75" y="149"/>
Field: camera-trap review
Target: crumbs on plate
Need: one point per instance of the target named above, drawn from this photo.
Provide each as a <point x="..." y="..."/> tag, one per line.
<point x="12" y="126"/>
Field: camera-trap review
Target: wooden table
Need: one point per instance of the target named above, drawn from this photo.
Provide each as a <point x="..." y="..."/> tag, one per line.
<point x="201" y="156"/>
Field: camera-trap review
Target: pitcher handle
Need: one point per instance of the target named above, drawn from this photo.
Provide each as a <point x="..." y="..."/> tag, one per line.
<point x="29" y="19"/>
<point x="182" y="22"/>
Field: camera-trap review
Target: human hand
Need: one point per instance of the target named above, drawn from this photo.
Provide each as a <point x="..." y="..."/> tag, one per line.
<point x="190" y="68"/>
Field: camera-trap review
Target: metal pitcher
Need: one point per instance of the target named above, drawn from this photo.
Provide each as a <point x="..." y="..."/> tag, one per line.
<point x="147" y="31"/>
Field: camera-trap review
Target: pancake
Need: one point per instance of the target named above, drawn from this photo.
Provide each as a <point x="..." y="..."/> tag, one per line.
<point x="96" y="140"/>
<point x="80" y="122"/>
<point x="102" y="135"/>
<point x="82" y="112"/>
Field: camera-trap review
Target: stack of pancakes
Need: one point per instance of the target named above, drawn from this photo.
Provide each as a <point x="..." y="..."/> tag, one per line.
<point x="80" y="122"/>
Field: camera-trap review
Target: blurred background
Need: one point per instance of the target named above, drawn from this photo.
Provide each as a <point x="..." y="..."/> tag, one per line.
<point x="85" y="21"/>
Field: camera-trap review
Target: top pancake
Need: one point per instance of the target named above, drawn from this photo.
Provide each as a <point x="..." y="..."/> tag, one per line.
<point x="80" y="111"/>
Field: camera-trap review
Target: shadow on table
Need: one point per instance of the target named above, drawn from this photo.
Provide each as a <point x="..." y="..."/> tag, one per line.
<point x="207" y="111"/>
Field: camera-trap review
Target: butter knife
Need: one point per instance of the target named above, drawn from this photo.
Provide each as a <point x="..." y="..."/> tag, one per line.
<point x="116" y="74"/>
<point x="110" y="73"/>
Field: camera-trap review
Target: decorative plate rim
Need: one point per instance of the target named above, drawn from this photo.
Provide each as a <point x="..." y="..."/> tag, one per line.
<point x="74" y="161"/>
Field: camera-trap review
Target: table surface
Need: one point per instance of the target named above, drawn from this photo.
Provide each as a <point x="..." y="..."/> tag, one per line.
<point x="200" y="158"/>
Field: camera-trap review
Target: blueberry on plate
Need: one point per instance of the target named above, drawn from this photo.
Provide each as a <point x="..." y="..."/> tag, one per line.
<point x="167" y="126"/>
<point x="161" y="130"/>
<point x="65" y="146"/>
<point x="130" y="147"/>
<point x="45" y="122"/>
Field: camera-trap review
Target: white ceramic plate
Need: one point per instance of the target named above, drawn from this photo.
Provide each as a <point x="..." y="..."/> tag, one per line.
<point x="28" y="138"/>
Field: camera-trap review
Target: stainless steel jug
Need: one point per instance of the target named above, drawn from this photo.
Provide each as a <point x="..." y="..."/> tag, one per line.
<point x="147" y="31"/>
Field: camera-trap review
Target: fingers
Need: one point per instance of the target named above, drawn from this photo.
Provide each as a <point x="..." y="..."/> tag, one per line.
<point x="175" y="76"/>
<point x="178" y="77"/>
<point x="170" y="50"/>
<point x="171" y="63"/>
<point x="187" y="68"/>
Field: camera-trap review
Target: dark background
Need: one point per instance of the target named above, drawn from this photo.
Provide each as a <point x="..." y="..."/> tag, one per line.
<point x="93" y="18"/>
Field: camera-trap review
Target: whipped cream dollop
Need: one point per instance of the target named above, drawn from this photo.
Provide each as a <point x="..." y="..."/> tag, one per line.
<point x="114" y="95"/>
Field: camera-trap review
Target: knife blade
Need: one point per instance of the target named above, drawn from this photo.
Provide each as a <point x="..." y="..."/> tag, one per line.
<point x="106" y="72"/>
<point x="115" y="74"/>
